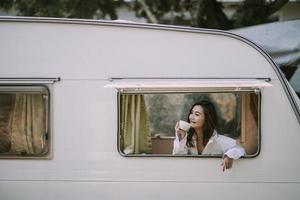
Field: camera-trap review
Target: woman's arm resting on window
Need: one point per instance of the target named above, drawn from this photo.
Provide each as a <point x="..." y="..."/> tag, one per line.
<point x="235" y="152"/>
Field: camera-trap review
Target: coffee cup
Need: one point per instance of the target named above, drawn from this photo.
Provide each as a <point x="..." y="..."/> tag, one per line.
<point x="183" y="125"/>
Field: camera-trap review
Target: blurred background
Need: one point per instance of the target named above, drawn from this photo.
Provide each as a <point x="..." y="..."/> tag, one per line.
<point x="164" y="110"/>
<point x="272" y="24"/>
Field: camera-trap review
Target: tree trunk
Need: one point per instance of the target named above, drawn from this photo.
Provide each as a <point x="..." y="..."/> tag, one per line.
<point x="150" y="15"/>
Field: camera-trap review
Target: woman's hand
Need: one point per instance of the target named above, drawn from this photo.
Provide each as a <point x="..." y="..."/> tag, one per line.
<point x="227" y="163"/>
<point x="180" y="133"/>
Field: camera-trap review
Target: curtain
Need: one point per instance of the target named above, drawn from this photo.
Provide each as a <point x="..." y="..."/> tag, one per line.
<point x="135" y="137"/>
<point x="249" y="132"/>
<point x="6" y="107"/>
<point x="28" y="125"/>
<point x="254" y="106"/>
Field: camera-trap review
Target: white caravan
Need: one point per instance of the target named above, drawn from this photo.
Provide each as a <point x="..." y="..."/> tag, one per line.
<point x="88" y="110"/>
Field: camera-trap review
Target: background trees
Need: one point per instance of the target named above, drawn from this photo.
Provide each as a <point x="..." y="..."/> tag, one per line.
<point x="196" y="13"/>
<point x="88" y="9"/>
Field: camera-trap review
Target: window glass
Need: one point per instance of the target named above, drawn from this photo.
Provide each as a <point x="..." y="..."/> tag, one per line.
<point x="24" y="121"/>
<point x="149" y="120"/>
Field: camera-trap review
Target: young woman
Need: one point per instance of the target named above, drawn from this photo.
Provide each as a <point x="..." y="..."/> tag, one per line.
<point x="202" y="138"/>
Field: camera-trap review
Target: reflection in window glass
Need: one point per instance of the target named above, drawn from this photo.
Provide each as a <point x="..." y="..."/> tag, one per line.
<point x="147" y="121"/>
<point x="23" y="121"/>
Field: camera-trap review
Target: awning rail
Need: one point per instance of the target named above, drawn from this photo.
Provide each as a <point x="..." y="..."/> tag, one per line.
<point x="140" y="84"/>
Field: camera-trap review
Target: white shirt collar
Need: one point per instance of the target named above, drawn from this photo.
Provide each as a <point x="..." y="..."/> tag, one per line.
<point x="213" y="137"/>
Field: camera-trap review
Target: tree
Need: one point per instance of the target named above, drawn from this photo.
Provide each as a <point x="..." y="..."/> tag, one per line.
<point x="253" y="12"/>
<point x="155" y="10"/>
<point x="196" y="13"/>
<point x="99" y="9"/>
<point x="206" y="13"/>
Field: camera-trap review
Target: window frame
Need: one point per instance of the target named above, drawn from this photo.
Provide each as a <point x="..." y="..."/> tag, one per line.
<point x="199" y="90"/>
<point x="27" y="86"/>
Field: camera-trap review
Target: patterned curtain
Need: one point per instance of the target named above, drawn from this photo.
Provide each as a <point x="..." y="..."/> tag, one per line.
<point x="28" y="125"/>
<point x="135" y="137"/>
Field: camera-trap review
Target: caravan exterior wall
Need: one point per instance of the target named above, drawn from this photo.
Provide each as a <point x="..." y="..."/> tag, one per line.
<point x="84" y="161"/>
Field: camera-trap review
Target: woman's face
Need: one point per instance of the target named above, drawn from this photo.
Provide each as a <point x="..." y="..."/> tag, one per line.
<point x="197" y="117"/>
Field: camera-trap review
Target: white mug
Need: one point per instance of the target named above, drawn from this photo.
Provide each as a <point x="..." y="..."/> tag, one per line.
<point x="184" y="125"/>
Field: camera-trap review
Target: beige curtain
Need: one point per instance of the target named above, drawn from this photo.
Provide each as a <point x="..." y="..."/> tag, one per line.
<point x="249" y="121"/>
<point x="135" y="134"/>
<point x="28" y="124"/>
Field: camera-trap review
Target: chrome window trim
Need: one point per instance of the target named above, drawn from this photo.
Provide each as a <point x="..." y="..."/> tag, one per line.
<point x="120" y="92"/>
<point x="48" y="155"/>
<point x="28" y="80"/>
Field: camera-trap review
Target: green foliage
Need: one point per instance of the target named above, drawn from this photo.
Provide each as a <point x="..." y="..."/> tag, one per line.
<point x="197" y="13"/>
<point x="92" y="8"/>
<point x="157" y="8"/>
<point x="6" y="4"/>
<point x="206" y="13"/>
<point x="49" y="8"/>
<point x="87" y="9"/>
<point x="253" y="12"/>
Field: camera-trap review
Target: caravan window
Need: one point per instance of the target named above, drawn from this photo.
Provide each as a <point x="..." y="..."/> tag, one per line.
<point x="24" y="121"/>
<point x="148" y="119"/>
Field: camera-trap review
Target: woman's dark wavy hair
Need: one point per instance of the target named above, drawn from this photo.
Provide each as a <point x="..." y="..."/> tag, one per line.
<point x="210" y="122"/>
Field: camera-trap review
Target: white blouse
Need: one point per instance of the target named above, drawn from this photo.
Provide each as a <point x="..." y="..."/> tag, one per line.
<point x="217" y="145"/>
